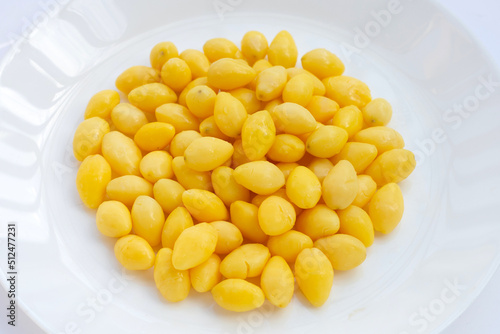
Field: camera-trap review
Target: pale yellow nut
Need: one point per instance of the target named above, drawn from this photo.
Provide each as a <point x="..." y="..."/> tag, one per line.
<point x="113" y="219"/>
<point x="218" y="48"/>
<point x="136" y="76"/>
<point x="194" y="246"/>
<point x="261" y="65"/>
<point x="181" y="141"/>
<point x="197" y="61"/>
<point x="245" y="261"/>
<point x="206" y="275"/>
<point x="154" y="136"/>
<point x="340" y="186"/>
<point x="177" y="221"/>
<point x="226" y="187"/>
<point x="344" y="251"/>
<point x="208" y="128"/>
<point x="134" y="253"/>
<point x="286" y="168"/>
<point x="128" y="119"/>
<point x="326" y="141"/>
<point x="322" y="108"/>
<point x="347" y="91"/>
<point x="322" y="63"/>
<point x="162" y="52"/>
<point x="248" y="98"/>
<point x="229" y="114"/>
<point x="319" y="87"/>
<point x="299" y="89"/>
<point x="178" y="116"/>
<point x="367" y="188"/>
<point x="286" y="148"/>
<point x="386" y="208"/>
<point x="261" y="177"/>
<point x="245" y="216"/>
<point x="303" y="188"/>
<point x="318" y="222"/>
<point x="314" y="275"/>
<point x="238" y="295"/>
<point x="176" y="74"/>
<point x="201" y="101"/>
<point x="350" y="119"/>
<point x="156" y="165"/>
<point x="258" y="134"/>
<point x="277" y="282"/>
<point x="270" y="83"/>
<point x="101" y="104"/>
<point x="254" y="46"/>
<point x="148" y="97"/>
<point x="196" y="82"/>
<point x="383" y="137"/>
<point x="282" y="50"/>
<point x="276" y="216"/>
<point x="293" y="119"/>
<point x="173" y="284"/>
<point x="289" y="244"/>
<point x="228" y="237"/>
<point x="127" y="188"/>
<point x="92" y="178"/>
<point x="392" y="166"/>
<point x="320" y="167"/>
<point x="377" y="112"/>
<point x="258" y="199"/>
<point x="229" y="74"/>
<point x="122" y="153"/>
<point x="204" y="205"/>
<point x="147" y="219"/>
<point x="360" y="155"/>
<point x="356" y="222"/>
<point x="168" y="193"/>
<point x="207" y="153"/>
<point x="189" y="178"/>
<point x="88" y="136"/>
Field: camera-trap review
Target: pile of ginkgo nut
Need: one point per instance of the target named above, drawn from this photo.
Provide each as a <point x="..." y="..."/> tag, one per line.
<point x="232" y="163"/>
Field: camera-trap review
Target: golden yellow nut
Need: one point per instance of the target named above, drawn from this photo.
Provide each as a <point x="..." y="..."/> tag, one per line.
<point x="299" y="89"/>
<point x="386" y="208"/>
<point x="226" y="187"/>
<point x="207" y="153"/>
<point x="318" y="222"/>
<point x="286" y="168"/>
<point x="127" y="188"/>
<point x="320" y="167"/>
<point x="181" y="141"/>
<point x="154" y="136"/>
<point x="276" y="215"/>
<point x="134" y="253"/>
<point x="293" y="119"/>
<point x="93" y="175"/>
<point x="270" y="83"/>
<point x="229" y="237"/>
<point x="360" y="155"/>
<point x="258" y="199"/>
<point x="261" y="177"/>
<point x="322" y="108"/>
<point x="156" y="165"/>
<point x="177" y="221"/>
<point x="206" y="275"/>
<point x="258" y="135"/>
<point x="282" y="50"/>
<point x="248" y="98"/>
<point x="229" y="114"/>
<point x="88" y="136"/>
<point x="162" y="52"/>
<point x="303" y="188"/>
<point x="350" y="119"/>
<point x="356" y="222"/>
<point x="286" y="148"/>
<point x="194" y="246"/>
<point x="228" y="74"/>
<point x="121" y="153"/>
<point x="314" y="275"/>
<point x="322" y="63"/>
<point x="261" y="65"/>
<point x="289" y="244"/>
<point x="383" y="137"/>
<point x="197" y="61"/>
<point x="347" y="91"/>
<point x="101" y="104"/>
<point x="196" y="82"/>
<point x="176" y="74"/>
<point x="218" y="48"/>
<point x="326" y="141"/>
<point x="136" y="76"/>
<point x="269" y="106"/>
<point x="318" y="86"/>
<point x="254" y="46"/>
<point x="204" y="205"/>
<point x="344" y="251"/>
<point x="168" y="193"/>
<point x="178" y="116"/>
<point x="340" y="186"/>
<point x="245" y="261"/>
<point x="173" y="284"/>
<point x="377" y="112"/>
<point x="238" y="295"/>
<point x="201" y="101"/>
<point x="245" y="217"/>
<point x="148" y="219"/>
<point x="148" y="97"/>
<point x="113" y="219"/>
<point x="189" y="178"/>
<point x="277" y="282"/>
<point x="392" y="166"/>
<point x="128" y="119"/>
<point x="367" y="188"/>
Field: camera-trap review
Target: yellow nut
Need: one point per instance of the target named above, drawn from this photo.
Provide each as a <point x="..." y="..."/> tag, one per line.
<point x="197" y="61"/>
<point x="286" y="168"/>
<point x="148" y="97"/>
<point x="360" y="155"/>
<point x="168" y="193"/>
<point x="350" y="119"/>
<point x="218" y="48"/>
<point x="229" y="114"/>
<point x="320" y="167"/>
<point x="207" y="153"/>
<point x="226" y="187"/>
<point x="356" y="222"/>
<point x="303" y="188"/>
<point x="245" y="217"/>
<point x="196" y="82"/>
<point x="93" y="175"/>
<point x="194" y="246"/>
<point x="270" y="83"/>
<point x="326" y="141"/>
<point x="293" y="119"/>
<point x="386" y="208"/>
<point x="154" y="136"/>
<point x="189" y="178"/>
<point x="122" y="153"/>
<point x="136" y="76"/>
<point x="344" y="251"/>
<point x="277" y="282"/>
<point x="134" y="253"/>
<point x="88" y="137"/>
<point x="314" y="275"/>
<point x="245" y="261"/>
<point x="319" y="87"/>
<point x="148" y="219"/>
<point x="128" y="119"/>
<point x="283" y="50"/>
<point x="176" y="74"/>
<point x="177" y="221"/>
<point x="377" y="112"/>
<point x="204" y="205"/>
<point x="127" y="188"/>
<point x="181" y="141"/>
<point x="276" y="215"/>
<point x="248" y="98"/>
<point x="227" y="74"/>
<point x="258" y="134"/>
<point x="392" y="166"/>
<point x="322" y="63"/>
<point x="208" y="128"/>
<point x="229" y="237"/>
<point x="299" y="89"/>
<point x="347" y="91"/>
<point x="318" y="222"/>
<point x="367" y="188"/>
<point x="173" y="284"/>
<point x="238" y="295"/>
<point x="382" y="137"/>
<point x="162" y="52"/>
<point x="340" y="186"/>
<point x="289" y="244"/>
<point x="206" y="275"/>
<point x="287" y="148"/>
<point x="101" y="104"/>
<point x="201" y="101"/>
<point x="254" y="46"/>
<point x="178" y="116"/>
<point x="322" y="108"/>
<point x="261" y="177"/>
<point x="113" y="219"/>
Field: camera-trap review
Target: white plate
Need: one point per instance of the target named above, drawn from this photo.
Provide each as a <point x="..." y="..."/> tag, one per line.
<point x="416" y="280"/>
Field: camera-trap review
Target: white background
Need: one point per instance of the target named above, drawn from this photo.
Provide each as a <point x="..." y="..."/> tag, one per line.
<point x="480" y="18"/>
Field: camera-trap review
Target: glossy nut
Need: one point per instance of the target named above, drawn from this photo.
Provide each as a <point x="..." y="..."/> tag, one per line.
<point x="173" y="284"/>
<point x="92" y="178"/>
<point x="194" y="246"/>
<point x="314" y="275"/>
<point x="134" y="253"/>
